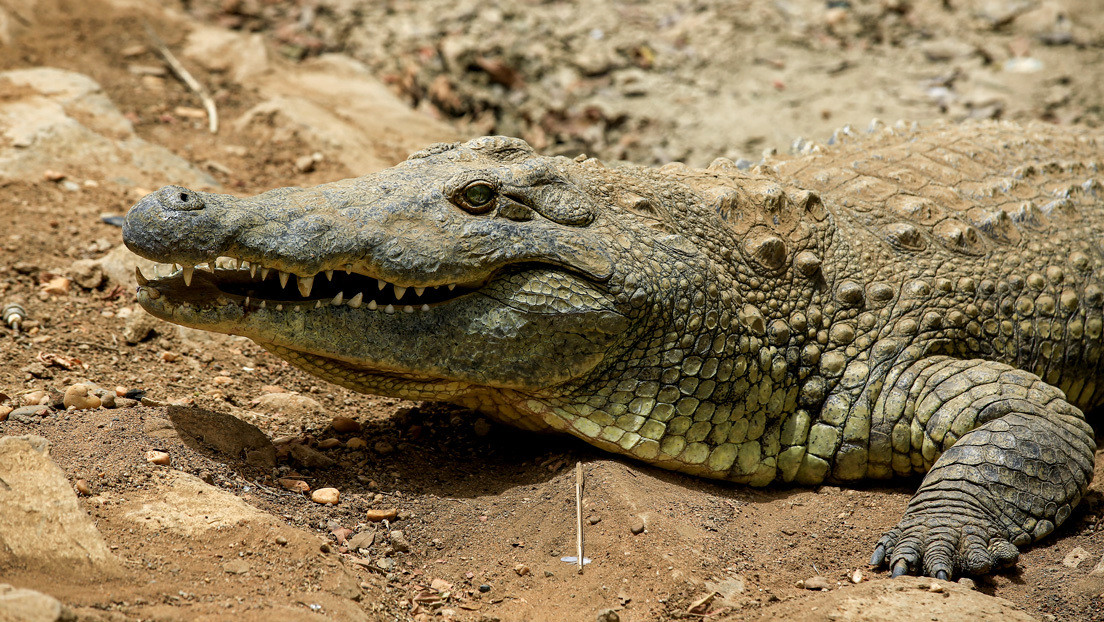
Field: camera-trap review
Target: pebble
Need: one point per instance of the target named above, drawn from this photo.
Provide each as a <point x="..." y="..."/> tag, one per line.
<point x="4" y="412"/>
<point x="57" y="286"/>
<point x="281" y="540"/>
<point x="594" y="519"/>
<point x="28" y="414"/>
<point x="107" y="400"/>
<point x="326" y="496"/>
<point x="222" y="381"/>
<point x="385" y="563"/>
<point x="310" y="457"/>
<point x="236" y="566"/>
<point x="294" y="485"/>
<point x="484" y="588"/>
<point x="345" y="425"/>
<point x="383" y="448"/>
<point x="1074" y="558"/>
<point x="857" y="576"/>
<point x="608" y="615"/>
<point x="32" y="398"/>
<point x="399" y="541"/>
<point x="82" y="487"/>
<point x="329" y="443"/>
<point x="169" y="357"/>
<point x="154" y="456"/>
<point x="968" y="583"/>
<point x="814" y="583"/>
<point x="523" y="570"/>
<point x="120" y="391"/>
<point x="376" y="516"/>
<point x="637" y="525"/>
<point x="356" y="443"/>
<point x="936" y="587"/>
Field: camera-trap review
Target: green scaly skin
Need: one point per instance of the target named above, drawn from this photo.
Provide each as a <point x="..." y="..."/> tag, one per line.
<point x="912" y="302"/>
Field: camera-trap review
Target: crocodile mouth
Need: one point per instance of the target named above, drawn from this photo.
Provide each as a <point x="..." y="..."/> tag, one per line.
<point x="253" y="285"/>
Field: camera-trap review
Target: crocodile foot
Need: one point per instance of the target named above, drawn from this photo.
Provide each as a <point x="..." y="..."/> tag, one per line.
<point x="943" y="542"/>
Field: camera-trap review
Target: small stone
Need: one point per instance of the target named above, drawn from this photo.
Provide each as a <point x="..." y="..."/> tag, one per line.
<point x="1075" y="557"/>
<point x="816" y="583"/>
<point x="310" y="457"/>
<point x="936" y="588"/>
<point x="440" y="585"/>
<point x="484" y="588"/>
<point x="281" y="540"/>
<point x="78" y="397"/>
<point x="52" y="175"/>
<point x="385" y="563"/>
<point x="329" y="443"/>
<point x="325" y="547"/>
<point x="383" y="448"/>
<point x="326" y="496"/>
<point x="481" y="427"/>
<point x="608" y="615"/>
<point x="968" y="583"/>
<point x="120" y="391"/>
<point x="236" y="566"/>
<point x="29" y="414"/>
<point x="107" y="400"/>
<point x="33" y="398"/>
<point x="637" y="525"/>
<point x="294" y="485"/>
<point x="376" y="516"/>
<point x="169" y="357"/>
<point x="82" y="487"/>
<point x="399" y="541"/>
<point x="594" y="519"/>
<point x="57" y="286"/>
<point x="362" y="540"/>
<point x="356" y="443"/>
<point x="345" y="425"/>
<point x="139" y="326"/>
<point x="522" y="570"/>
<point x="154" y="456"/>
<point x="857" y="576"/>
<point x="222" y="381"/>
<point x="4" y="412"/>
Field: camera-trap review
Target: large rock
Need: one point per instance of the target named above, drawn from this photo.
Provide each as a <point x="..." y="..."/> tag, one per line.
<point x="41" y="524"/>
<point x="57" y="119"/>
<point x="185" y="505"/>
<point x="23" y="605"/>
<point x="904" y="599"/>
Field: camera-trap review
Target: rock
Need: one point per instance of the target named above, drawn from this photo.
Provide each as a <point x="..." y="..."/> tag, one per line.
<point x="481" y="427"/>
<point x="356" y="443"/>
<point x="139" y="326"/>
<point x="5" y="410"/>
<point x="158" y="457"/>
<point x="484" y="588"/>
<point x="326" y="496"/>
<point x="383" y="448"/>
<point x="78" y="397"/>
<point x="522" y="570"/>
<point x="183" y="504"/>
<point x="236" y="566"/>
<point x="24" y="605"/>
<point x="399" y="541"/>
<point x="226" y="434"/>
<point x="82" y="487"/>
<point x="857" y="576"/>
<point x="42" y="526"/>
<point x="636" y="525"/>
<point x="329" y="443"/>
<point x="294" y="485"/>
<point x="968" y="583"/>
<point x="345" y="425"/>
<point x="816" y="582"/>
<point x="903" y="599"/>
<point x="1074" y="558"/>
<point x="362" y="540"/>
<point x="288" y="404"/>
<point x="119" y="265"/>
<point x="309" y="457"/>
<point x="53" y="114"/>
<point x="28" y="414"/>
<point x="375" y="516"/>
<point x="608" y="615"/>
<point x="281" y="540"/>
<point x="88" y="273"/>
<point x="57" y="286"/>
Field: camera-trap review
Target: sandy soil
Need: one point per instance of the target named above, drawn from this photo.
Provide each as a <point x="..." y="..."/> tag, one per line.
<point x="485" y="513"/>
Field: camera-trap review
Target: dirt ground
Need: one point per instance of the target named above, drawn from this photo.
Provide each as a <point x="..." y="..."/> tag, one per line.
<point x="484" y="513"/>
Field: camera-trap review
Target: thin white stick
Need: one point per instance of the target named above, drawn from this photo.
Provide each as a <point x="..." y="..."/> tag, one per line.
<point x="187" y="78"/>
<point x="579" y="513"/>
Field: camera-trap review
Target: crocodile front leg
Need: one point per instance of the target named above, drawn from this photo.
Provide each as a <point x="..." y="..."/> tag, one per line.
<point x="1009" y="459"/>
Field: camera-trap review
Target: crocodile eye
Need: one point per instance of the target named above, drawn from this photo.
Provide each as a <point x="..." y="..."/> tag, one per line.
<point x="478" y="196"/>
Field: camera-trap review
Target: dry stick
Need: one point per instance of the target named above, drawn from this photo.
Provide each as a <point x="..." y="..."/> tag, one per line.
<point x="579" y="513"/>
<point x="187" y="78"/>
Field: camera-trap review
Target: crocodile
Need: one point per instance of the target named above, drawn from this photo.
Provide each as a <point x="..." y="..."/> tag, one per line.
<point x="903" y="302"/>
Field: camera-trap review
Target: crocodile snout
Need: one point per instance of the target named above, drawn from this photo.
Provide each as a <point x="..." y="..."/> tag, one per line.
<point x="179" y="198"/>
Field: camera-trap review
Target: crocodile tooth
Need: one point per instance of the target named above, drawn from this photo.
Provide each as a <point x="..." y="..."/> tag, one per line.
<point x="141" y="278"/>
<point x="283" y="278"/>
<point x="317" y="304"/>
<point x="408" y="309"/>
<point x="234" y="263"/>
<point x="264" y="303"/>
<point x="418" y="291"/>
<point x="253" y="271"/>
<point x="388" y="308"/>
<point x="425" y="307"/>
<point x="338" y="299"/>
<point x="203" y="266"/>
<point x="372" y="304"/>
<point x="305" y="285"/>
<point x="264" y="273"/>
<point x="246" y="301"/>
<point x="187" y="272"/>
<point x="354" y="302"/>
<point x="279" y="307"/>
<point x="348" y="268"/>
<point x="329" y="275"/>
<point x="381" y="284"/>
<point x="399" y="291"/>
<point x="451" y="286"/>
<point x="175" y="267"/>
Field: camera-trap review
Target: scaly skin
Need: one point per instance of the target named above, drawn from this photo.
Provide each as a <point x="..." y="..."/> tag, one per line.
<point x="914" y="302"/>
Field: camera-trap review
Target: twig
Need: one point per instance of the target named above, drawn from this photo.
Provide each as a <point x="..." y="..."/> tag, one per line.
<point x="187" y="78"/>
<point x="579" y="513"/>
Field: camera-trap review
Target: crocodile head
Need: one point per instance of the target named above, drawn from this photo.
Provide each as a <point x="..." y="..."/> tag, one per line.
<point x="477" y="273"/>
